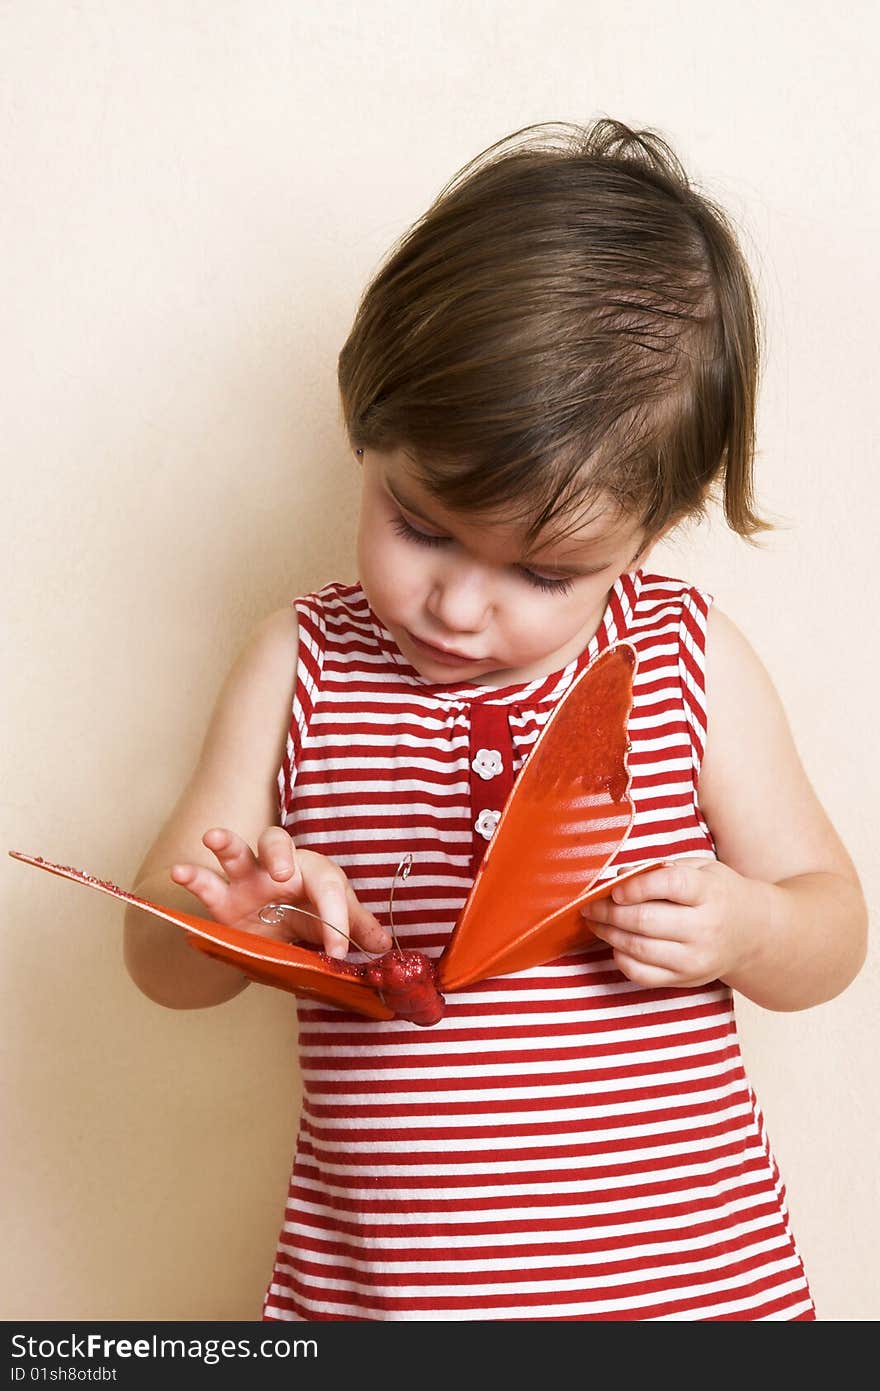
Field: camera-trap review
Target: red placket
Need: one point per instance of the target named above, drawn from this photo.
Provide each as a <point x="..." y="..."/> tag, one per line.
<point x="490" y="750"/>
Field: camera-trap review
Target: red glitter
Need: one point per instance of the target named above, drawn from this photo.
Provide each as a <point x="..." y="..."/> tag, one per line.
<point x="69" y="872"/>
<point x="405" y="980"/>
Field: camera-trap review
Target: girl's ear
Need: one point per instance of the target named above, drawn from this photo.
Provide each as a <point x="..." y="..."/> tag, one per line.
<point x="654" y="540"/>
<point x="647" y="545"/>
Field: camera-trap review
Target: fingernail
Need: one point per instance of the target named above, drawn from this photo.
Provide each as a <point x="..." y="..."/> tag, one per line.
<point x="337" y="951"/>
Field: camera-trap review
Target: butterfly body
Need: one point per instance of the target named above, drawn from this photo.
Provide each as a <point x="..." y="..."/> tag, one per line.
<point x="405" y="980"/>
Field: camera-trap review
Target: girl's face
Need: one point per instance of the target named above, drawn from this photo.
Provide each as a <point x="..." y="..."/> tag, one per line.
<point x="463" y="599"/>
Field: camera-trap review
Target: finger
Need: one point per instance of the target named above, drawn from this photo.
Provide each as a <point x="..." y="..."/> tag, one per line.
<point x="206" y="884"/>
<point x="235" y="855"/>
<point x="276" y="854"/>
<point x="366" y="930"/>
<point x="651" y="951"/>
<point x="649" y="977"/>
<point x="325" y="887"/>
<point x="678" y="883"/>
<point x="667" y="921"/>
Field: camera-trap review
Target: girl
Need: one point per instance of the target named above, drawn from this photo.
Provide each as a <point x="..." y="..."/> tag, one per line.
<point x="553" y="368"/>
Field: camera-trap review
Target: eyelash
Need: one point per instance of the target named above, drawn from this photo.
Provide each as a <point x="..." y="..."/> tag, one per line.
<point x="422" y="538"/>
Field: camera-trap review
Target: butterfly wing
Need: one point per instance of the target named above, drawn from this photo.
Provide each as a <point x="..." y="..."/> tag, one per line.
<point x="291" y="968"/>
<point x="568" y="815"/>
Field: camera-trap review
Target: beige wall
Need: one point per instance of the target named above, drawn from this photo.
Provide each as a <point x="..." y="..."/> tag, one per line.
<point x="193" y="196"/>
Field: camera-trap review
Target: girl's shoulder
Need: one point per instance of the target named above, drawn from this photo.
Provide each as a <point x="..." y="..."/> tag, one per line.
<point x="256" y="693"/>
<point x="734" y="669"/>
<point x="754" y="791"/>
<point x="234" y="780"/>
<point x="268" y="652"/>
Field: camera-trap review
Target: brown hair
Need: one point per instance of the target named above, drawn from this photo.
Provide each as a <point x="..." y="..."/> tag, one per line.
<point x="569" y="319"/>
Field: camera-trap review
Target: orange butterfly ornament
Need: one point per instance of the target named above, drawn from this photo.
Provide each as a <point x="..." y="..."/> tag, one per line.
<point x="568" y="815"/>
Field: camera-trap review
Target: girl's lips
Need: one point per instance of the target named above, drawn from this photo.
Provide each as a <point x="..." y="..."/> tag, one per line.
<point x="440" y="654"/>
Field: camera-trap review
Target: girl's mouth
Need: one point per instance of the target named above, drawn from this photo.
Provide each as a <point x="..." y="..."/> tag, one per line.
<point x="441" y="654"/>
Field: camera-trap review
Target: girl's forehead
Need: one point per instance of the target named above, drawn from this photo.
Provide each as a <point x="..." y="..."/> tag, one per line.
<point x="594" y="522"/>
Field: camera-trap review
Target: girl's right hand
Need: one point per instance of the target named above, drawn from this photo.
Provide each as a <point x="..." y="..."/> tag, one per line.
<point x="279" y="873"/>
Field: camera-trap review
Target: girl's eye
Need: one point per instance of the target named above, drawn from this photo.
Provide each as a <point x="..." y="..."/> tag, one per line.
<point x="426" y="538"/>
<point x="422" y="538"/>
<point x="543" y="582"/>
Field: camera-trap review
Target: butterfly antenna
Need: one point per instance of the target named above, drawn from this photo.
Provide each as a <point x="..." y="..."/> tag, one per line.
<point x="402" y="872"/>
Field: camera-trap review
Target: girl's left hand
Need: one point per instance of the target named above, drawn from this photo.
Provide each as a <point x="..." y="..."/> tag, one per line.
<point x="684" y="924"/>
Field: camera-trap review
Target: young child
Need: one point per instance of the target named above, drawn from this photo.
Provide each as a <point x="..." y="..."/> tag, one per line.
<point x="553" y="368"/>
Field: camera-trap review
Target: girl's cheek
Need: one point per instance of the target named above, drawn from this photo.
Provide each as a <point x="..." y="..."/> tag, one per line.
<point x="411" y="564"/>
<point x="394" y="571"/>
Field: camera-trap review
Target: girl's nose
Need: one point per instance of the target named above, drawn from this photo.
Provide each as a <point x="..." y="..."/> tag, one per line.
<point x="459" y="599"/>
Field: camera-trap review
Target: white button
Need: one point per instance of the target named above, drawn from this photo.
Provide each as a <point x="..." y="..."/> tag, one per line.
<point x="488" y="763"/>
<point x="486" y="822"/>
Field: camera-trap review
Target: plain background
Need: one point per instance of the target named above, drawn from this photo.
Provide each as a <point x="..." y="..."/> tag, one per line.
<point x="194" y="195"/>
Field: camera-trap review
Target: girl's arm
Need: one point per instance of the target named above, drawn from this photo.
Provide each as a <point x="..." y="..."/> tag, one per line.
<point x="233" y="785"/>
<point x="780" y="916"/>
<point x="806" y="940"/>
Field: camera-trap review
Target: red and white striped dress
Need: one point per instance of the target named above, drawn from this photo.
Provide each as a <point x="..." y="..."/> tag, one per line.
<point x="563" y="1144"/>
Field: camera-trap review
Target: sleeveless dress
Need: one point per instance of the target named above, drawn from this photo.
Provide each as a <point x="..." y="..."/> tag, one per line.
<point x="563" y="1144"/>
